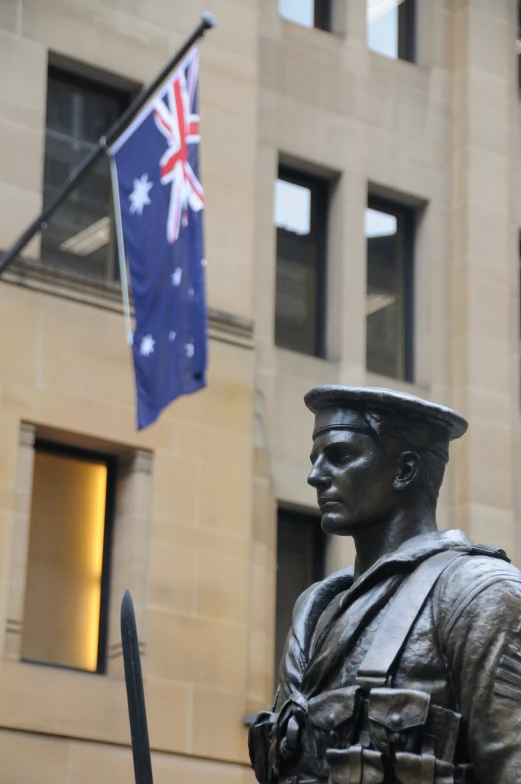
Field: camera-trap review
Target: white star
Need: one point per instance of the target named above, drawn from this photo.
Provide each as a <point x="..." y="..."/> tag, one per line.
<point x="172" y="336"/>
<point x="139" y="196"/>
<point x="189" y="349"/>
<point x="176" y="276"/>
<point x="203" y="262"/>
<point x="147" y="346"/>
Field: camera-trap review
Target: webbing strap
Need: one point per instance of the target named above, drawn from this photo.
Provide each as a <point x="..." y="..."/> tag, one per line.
<point x="397" y="622"/>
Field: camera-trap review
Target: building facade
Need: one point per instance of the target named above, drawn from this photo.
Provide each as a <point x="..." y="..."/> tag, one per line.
<point x="362" y="218"/>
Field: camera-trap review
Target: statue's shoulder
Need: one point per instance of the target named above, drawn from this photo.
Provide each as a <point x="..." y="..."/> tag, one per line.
<point x="474" y="580"/>
<point x="315" y="600"/>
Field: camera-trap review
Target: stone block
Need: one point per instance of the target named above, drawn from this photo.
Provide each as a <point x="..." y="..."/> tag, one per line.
<point x="224" y="737"/>
<point x="19" y="208"/>
<point x="98" y="762"/>
<point x="225" y="498"/>
<point x="223" y="588"/>
<point x="173" y="577"/>
<point x="18" y="318"/>
<point x="202" y="539"/>
<point x="173" y="769"/>
<point x="23" y="64"/>
<point x="211" y="443"/>
<point x="169" y="713"/>
<point x="177" y="488"/>
<point x="197" y="650"/>
<point x="29" y="758"/>
<point x="102" y="370"/>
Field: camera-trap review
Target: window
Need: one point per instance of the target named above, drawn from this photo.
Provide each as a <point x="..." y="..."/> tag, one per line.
<point x="300" y="217"/>
<point x="389" y="230"/>
<point x="65" y="607"/>
<point x="300" y="562"/>
<point x="78" y="237"/>
<point x="391" y="28"/>
<point x="309" y="13"/>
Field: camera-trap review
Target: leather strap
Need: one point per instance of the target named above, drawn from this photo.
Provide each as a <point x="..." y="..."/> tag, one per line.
<point x="397" y="622"/>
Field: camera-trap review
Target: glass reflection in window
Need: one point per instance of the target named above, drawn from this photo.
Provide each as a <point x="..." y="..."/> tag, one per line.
<point x="389" y="246"/>
<point x="390" y="28"/>
<point x="300" y="215"/>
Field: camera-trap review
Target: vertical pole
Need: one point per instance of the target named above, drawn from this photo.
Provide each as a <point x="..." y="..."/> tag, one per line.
<point x="120" y="242"/>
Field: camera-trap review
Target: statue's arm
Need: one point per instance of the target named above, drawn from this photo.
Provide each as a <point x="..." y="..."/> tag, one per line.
<point x="480" y="630"/>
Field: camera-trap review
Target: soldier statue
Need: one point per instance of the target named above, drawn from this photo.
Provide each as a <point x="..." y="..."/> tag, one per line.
<point x="406" y="667"/>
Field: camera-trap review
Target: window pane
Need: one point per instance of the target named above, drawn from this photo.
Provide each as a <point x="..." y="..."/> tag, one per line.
<point x="382" y="26"/>
<point x="299" y="215"/>
<point x="384" y="304"/>
<point x="300" y="562"/>
<point x="65" y="560"/>
<point x="292" y="207"/>
<point x="77" y="116"/>
<point x="300" y="11"/>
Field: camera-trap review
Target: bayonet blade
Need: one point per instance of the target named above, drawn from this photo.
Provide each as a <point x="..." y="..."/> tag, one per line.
<point x="135" y="693"/>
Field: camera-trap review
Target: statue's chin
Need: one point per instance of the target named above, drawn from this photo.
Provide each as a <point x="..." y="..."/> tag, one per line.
<point x="334" y="523"/>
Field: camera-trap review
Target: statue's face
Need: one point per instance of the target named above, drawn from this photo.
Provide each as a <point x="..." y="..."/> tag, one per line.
<point x="354" y="478"/>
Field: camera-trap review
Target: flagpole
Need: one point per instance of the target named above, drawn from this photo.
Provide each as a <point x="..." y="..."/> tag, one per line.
<point x="120" y="242"/>
<point x="207" y="22"/>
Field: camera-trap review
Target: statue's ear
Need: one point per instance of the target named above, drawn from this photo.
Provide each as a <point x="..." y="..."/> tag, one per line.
<point x="409" y="467"/>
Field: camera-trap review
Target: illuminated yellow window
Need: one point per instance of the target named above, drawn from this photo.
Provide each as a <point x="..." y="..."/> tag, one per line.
<point x="64" y="614"/>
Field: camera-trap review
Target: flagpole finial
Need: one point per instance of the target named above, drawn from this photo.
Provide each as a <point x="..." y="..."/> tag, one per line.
<point x="209" y="20"/>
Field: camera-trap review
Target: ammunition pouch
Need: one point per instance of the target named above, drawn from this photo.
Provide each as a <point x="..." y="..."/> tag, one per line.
<point x="336" y="712"/>
<point x="355" y="765"/>
<point x="396" y="719"/>
<point x="259" y="738"/>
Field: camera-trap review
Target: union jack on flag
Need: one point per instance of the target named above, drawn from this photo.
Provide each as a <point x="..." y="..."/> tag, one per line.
<point x="179" y="124"/>
<point x="162" y="201"/>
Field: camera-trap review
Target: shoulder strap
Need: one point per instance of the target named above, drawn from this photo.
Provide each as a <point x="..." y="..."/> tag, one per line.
<point x="397" y="622"/>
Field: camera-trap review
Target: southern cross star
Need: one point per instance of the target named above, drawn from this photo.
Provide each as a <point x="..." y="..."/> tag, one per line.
<point x="139" y="196"/>
<point x="176" y="276"/>
<point x="147" y="346"/>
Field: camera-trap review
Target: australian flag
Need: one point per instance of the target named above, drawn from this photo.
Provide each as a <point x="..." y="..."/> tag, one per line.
<point x="161" y="198"/>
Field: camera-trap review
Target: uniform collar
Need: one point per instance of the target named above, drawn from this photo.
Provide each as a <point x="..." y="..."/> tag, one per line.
<point x="411" y="553"/>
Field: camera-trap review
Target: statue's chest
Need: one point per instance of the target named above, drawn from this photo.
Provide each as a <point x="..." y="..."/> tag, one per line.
<point x="419" y="666"/>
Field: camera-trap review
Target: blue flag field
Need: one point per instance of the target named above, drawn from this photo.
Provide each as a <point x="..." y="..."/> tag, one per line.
<point x="161" y="198"/>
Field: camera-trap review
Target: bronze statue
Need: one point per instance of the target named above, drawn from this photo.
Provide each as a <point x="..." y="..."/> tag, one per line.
<point x="407" y="667"/>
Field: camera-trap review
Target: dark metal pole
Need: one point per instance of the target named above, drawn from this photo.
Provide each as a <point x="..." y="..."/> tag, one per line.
<point x="135" y="693"/>
<point x="207" y="22"/>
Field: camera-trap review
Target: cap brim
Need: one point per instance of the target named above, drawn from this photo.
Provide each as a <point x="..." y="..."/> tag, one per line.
<point x="391" y="401"/>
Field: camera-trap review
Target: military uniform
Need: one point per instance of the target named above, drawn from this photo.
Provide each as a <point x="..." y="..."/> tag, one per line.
<point x="450" y="707"/>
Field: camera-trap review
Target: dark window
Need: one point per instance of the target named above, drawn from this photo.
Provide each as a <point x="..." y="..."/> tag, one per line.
<point x="78" y="237"/>
<point x="300" y="562"/>
<point x="300" y="217"/>
<point x="66" y="592"/>
<point x="389" y="230"/>
<point x="391" y="28"/>
<point x="309" y="13"/>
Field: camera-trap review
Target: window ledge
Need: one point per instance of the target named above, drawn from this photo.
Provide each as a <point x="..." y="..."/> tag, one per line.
<point x="32" y="274"/>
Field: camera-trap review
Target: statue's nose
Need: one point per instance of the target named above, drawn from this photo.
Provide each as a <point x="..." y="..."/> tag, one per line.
<point x="317" y="478"/>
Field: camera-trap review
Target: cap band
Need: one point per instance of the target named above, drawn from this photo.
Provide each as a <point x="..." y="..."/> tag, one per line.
<point x="357" y="428"/>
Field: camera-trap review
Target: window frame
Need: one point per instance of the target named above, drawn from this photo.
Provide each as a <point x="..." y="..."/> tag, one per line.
<point x="407" y="221"/>
<point x="322" y="17"/>
<point x="111" y="463"/>
<point x="319" y="211"/>
<point x="123" y="98"/>
<point x="407" y="31"/>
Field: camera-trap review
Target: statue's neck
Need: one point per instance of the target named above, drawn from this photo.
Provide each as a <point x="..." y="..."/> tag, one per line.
<point x="387" y="536"/>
